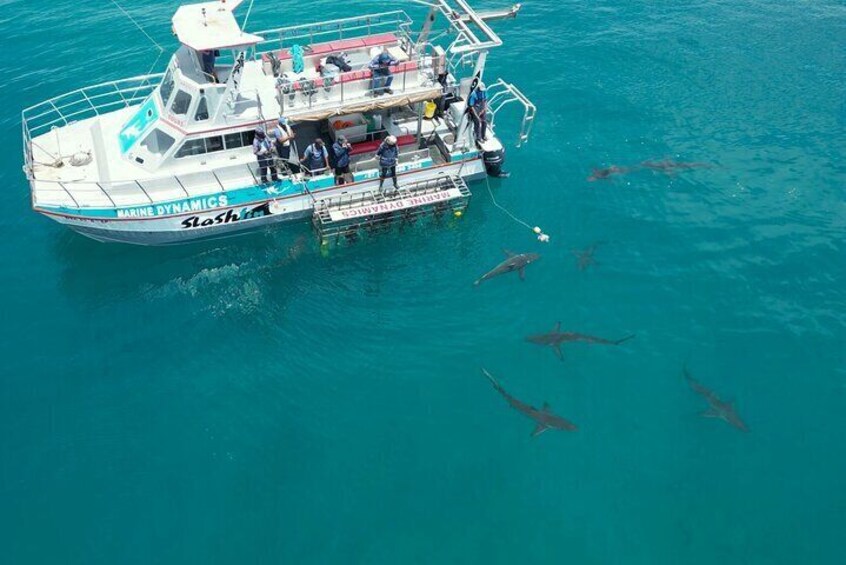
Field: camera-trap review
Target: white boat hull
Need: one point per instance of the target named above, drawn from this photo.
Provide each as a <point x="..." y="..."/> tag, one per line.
<point x="234" y="220"/>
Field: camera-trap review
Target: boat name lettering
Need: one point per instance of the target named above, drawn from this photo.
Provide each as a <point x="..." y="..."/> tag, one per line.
<point x="227" y="217"/>
<point x="401" y="204"/>
<point x="194" y="205"/>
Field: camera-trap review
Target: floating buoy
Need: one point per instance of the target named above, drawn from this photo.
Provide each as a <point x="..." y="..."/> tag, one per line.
<point x="458" y="213"/>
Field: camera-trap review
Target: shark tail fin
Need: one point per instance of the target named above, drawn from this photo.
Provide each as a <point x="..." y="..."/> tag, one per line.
<point x="625" y="339"/>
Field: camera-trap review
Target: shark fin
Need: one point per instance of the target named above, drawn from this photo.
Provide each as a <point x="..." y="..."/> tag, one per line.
<point x="539" y="429"/>
<point x="557" y="349"/>
<point x="546" y="407"/>
<point x="557" y="327"/>
<point x="710" y="413"/>
<point x="507" y="252"/>
<point x="522" y="273"/>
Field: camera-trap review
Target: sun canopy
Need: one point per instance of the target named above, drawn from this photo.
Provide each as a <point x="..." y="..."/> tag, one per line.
<point x="211" y="25"/>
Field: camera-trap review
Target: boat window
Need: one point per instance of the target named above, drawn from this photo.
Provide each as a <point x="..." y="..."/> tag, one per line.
<point x="202" y="110"/>
<point x="239" y="139"/>
<point x="166" y="88"/>
<point x="181" y="103"/>
<point x="214" y="144"/>
<point x="191" y="147"/>
<point x="233" y="140"/>
<point x="157" y="142"/>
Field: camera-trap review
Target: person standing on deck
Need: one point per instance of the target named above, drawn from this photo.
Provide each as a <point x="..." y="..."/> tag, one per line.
<point x="208" y="59"/>
<point x="316" y="158"/>
<point x="262" y="149"/>
<point x="380" y="66"/>
<point x="388" y="154"/>
<point x="282" y="136"/>
<point x="342" y="149"/>
<point x="477" y="106"/>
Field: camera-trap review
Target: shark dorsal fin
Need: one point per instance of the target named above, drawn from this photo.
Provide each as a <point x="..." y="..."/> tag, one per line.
<point x="557" y="328"/>
<point x="546" y="407"/>
<point x="507" y="252"/>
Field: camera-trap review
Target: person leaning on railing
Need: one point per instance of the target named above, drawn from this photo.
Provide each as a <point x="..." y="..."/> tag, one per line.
<point x="388" y="154"/>
<point x="316" y="158"/>
<point x="262" y="151"/>
<point x="477" y="106"/>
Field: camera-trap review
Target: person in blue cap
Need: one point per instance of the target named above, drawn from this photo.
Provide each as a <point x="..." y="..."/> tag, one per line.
<point x="380" y="66"/>
<point x="342" y="148"/>
<point x="262" y="149"/>
<point x="477" y="106"/>
<point x="388" y="154"/>
<point x="282" y="137"/>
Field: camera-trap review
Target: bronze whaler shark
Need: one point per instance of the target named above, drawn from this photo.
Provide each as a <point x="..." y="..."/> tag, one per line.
<point x="605" y="174"/>
<point x="544" y="418"/>
<point x="556" y="338"/>
<point x="718" y="408"/>
<point x="514" y="262"/>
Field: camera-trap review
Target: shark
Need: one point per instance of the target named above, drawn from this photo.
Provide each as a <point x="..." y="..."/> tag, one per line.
<point x="543" y="418"/>
<point x="513" y="262"/>
<point x="717" y="408"/>
<point x="556" y="338"/>
<point x="585" y="256"/>
<point x="605" y="174"/>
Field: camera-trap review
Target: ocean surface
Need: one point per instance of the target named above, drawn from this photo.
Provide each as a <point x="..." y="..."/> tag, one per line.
<point x="254" y="400"/>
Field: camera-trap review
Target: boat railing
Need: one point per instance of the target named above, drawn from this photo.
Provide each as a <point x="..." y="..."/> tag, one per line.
<point x="502" y="94"/>
<point x="141" y="192"/>
<point x="280" y="38"/>
<point x="88" y="102"/>
<point x="408" y="157"/>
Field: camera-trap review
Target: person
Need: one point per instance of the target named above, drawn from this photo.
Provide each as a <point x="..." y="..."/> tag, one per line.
<point x="477" y="105"/>
<point x="282" y="136"/>
<point x="262" y="151"/>
<point x="316" y="158"/>
<point x="208" y="59"/>
<point x="380" y="66"/>
<point x="388" y="154"/>
<point x="342" y="149"/>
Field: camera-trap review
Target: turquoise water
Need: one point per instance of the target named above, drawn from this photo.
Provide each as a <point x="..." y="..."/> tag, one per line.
<point x="253" y="401"/>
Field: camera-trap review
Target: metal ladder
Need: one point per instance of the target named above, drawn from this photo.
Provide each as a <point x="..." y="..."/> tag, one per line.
<point x="501" y="94"/>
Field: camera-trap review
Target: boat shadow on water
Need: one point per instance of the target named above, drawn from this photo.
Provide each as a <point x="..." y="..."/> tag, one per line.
<point x="93" y="274"/>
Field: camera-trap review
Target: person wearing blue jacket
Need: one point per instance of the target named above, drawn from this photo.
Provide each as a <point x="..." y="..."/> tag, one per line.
<point x="341" y="148"/>
<point x="388" y="154"/>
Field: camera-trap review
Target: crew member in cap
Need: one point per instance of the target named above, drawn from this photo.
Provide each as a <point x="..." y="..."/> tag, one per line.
<point x="282" y="137"/>
<point x="477" y="105"/>
<point x="388" y="154"/>
<point x="341" y="148"/>
<point x="262" y="150"/>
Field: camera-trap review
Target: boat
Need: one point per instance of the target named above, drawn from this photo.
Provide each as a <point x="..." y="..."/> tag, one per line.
<point x="168" y="158"/>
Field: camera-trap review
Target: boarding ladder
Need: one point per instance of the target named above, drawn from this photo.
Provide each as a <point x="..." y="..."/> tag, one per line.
<point x="345" y="217"/>
<point x="501" y="94"/>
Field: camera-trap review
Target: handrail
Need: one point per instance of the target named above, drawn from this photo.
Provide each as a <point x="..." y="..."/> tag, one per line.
<point x="306" y="33"/>
<point x="87" y="102"/>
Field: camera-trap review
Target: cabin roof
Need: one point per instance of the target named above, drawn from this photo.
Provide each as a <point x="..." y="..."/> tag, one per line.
<point x="211" y="25"/>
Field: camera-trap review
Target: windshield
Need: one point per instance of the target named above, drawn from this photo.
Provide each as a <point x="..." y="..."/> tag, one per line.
<point x="166" y="88"/>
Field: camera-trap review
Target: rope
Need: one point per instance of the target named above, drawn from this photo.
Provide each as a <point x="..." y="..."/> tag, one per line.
<point x="125" y="13"/>
<point x="542" y="237"/>
<point x="247" y="17"/>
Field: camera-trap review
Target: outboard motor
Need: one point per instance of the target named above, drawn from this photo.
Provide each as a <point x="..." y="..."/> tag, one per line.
<point x="494" y="161"/>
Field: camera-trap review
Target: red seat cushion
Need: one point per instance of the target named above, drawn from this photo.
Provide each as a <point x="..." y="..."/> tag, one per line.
<point x="365" y="147"/>
<point x="380" y="39"/>
<point x="406" y="140"/>
<point x="347" y="44"/>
